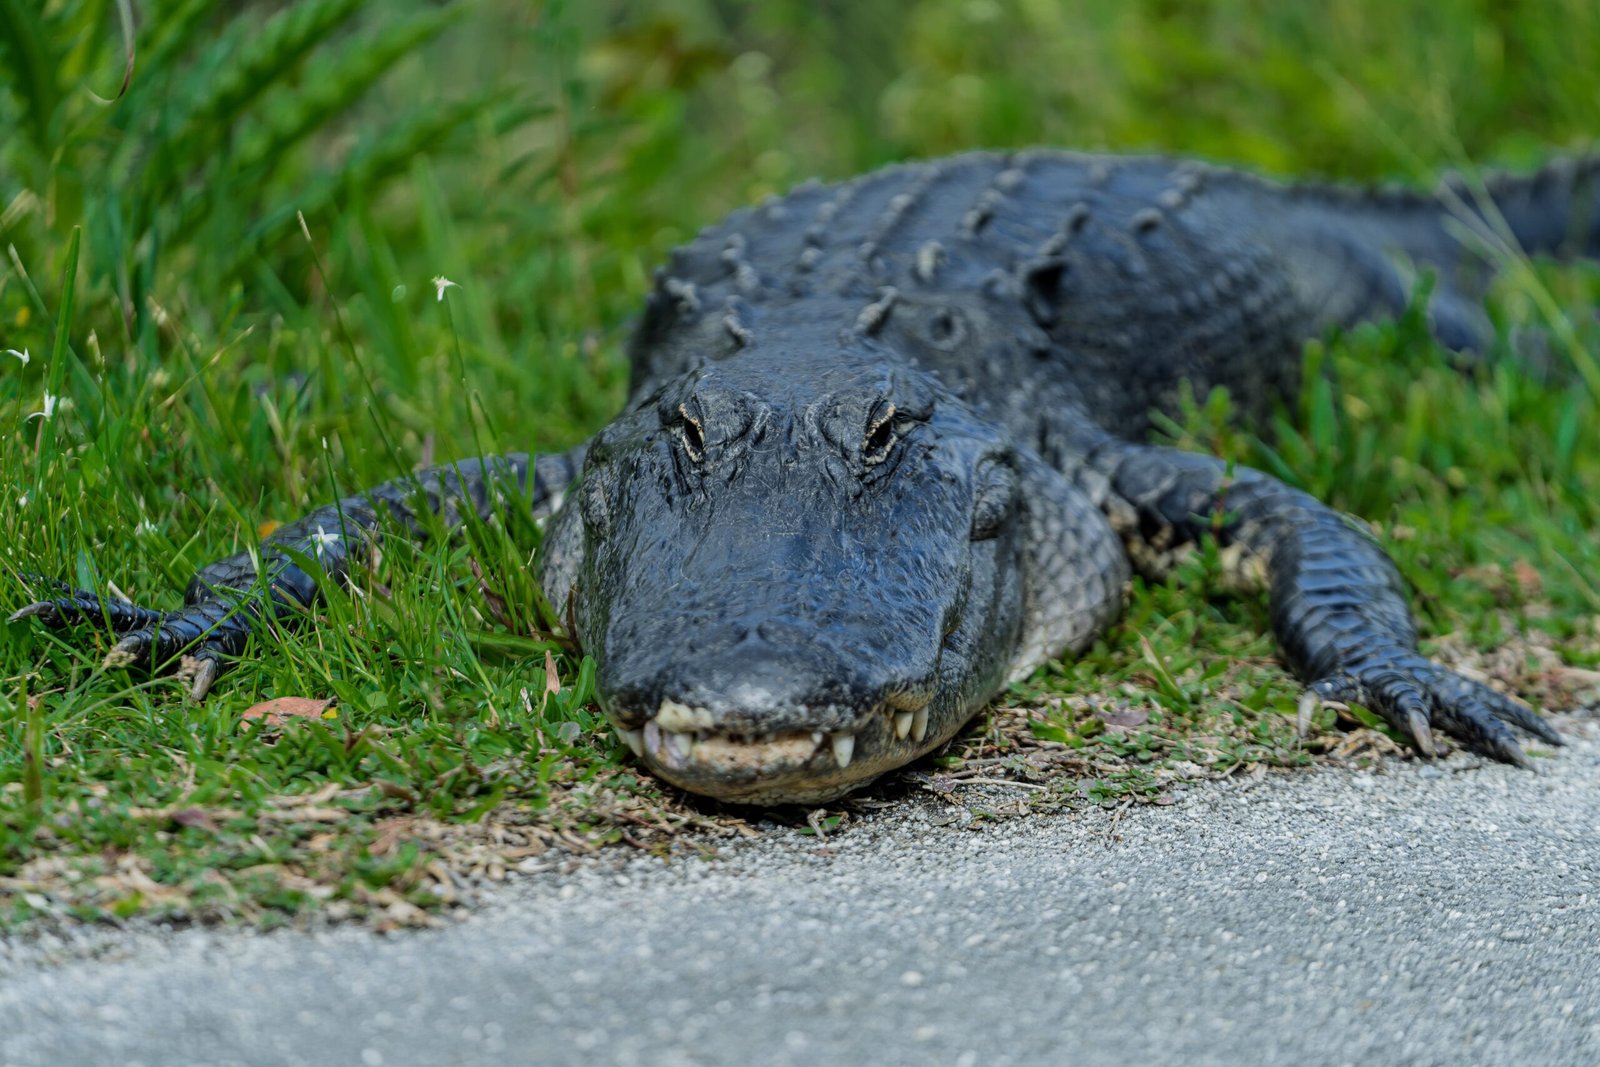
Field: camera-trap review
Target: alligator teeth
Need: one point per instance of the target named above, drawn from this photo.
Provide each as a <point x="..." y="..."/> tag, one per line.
<point x="919" y="724"/>
<point x="902" y="724"/>
<point x="668" y="745"/>
<point x="672" y="715"/>
<point x="633" y="738"/>
<point x="844" y="747"/>
<point x="677" y="744"/>
<point x="816" y="737"/>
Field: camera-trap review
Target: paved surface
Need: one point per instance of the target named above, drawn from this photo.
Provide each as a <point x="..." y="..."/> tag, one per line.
<point x="1425" y="915"/>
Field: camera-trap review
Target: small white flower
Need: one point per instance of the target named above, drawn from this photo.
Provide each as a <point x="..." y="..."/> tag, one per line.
<point x="48" y="410"/>
<point x="441" y="283"/>
<point x="322" y="539"/>
<point x="23" y="355"/>
<point x="22" y="501"/>
<point x="144" y="529"/>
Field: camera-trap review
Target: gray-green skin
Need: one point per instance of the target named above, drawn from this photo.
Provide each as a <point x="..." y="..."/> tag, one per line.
<point x="882" y="453"/>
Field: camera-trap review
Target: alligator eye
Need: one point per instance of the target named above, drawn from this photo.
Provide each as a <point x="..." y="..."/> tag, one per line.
<point x="692" y="435"/>
<point x="880" y="435"/>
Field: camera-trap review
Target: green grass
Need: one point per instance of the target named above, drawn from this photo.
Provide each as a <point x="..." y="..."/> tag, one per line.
<point x="221" y="365"/>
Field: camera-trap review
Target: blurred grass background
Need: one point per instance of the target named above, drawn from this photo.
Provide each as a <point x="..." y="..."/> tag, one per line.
<point x="253" y="326"/>
<point x="544" y="156"/>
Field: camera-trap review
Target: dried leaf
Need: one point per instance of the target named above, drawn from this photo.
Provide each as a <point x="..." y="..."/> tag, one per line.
<point x="1126" y="717"/>
<point x="280" y="710"/>
<point x="552" y="680"/>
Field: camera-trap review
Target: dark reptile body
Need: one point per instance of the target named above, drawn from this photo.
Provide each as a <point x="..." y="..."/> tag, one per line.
<point x="882" y="451"/>
<point x="1027" y="283"/>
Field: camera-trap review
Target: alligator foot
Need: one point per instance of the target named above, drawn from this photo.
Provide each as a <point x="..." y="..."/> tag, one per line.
<point x="195" y="637"/>
<point x="1415" y="696"/>
<point x="78" y="606"/>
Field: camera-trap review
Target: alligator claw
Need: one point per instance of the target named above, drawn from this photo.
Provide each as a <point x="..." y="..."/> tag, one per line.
<point x="1422" y="733"/>
<point x="202" y="670"/>
<point x="38" y="607"/>
<point x="1417" y="696"/>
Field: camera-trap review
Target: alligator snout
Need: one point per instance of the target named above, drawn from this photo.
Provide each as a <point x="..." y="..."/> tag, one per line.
<point x="683" y="744"/>
<point x="763" y="722"/>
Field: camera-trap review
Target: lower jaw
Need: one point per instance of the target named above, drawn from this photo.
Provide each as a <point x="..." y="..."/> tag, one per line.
<point x="792" y="788"/>
<point x="796" y="767"/>
<point x="799" y="768"/>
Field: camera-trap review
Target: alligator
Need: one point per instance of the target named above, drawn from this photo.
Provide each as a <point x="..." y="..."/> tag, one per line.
<point x="885" y="449"/>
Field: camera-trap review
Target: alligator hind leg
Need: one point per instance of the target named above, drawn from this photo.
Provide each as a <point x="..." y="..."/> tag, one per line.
<point x="1337" y="601"/>
<point x="229" y="597"/>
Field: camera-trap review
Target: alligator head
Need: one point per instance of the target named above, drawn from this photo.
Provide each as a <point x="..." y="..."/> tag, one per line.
<point x="794" y="570"/>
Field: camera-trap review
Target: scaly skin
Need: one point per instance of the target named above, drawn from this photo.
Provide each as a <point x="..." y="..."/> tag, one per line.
<point x="882" y="452"/>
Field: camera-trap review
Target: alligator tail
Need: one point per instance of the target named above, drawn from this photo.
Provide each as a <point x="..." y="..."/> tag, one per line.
<point x="1553" y="211"/>
<point x="1344" y="247"/>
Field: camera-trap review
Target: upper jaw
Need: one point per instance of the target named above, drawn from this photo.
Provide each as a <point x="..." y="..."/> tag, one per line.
<point x="685" y="745"/>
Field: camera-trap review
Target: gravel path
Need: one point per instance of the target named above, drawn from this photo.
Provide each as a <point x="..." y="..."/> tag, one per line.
<point x="1427" y="914"/>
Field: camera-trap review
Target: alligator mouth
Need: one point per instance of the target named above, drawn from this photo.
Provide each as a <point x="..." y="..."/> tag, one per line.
<point x="683" y="745"/>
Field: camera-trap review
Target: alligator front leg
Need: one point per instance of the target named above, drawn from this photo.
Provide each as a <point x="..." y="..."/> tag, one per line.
<point x="1337" y="601"/>
<point x="229" y="597"/>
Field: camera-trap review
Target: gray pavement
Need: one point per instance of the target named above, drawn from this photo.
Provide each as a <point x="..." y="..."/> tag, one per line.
<point x="1426" y="914"/>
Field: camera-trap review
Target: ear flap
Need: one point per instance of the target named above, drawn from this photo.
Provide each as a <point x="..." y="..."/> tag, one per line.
<point x="1040" y="281"/>
<point x="1076" y="568"/>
